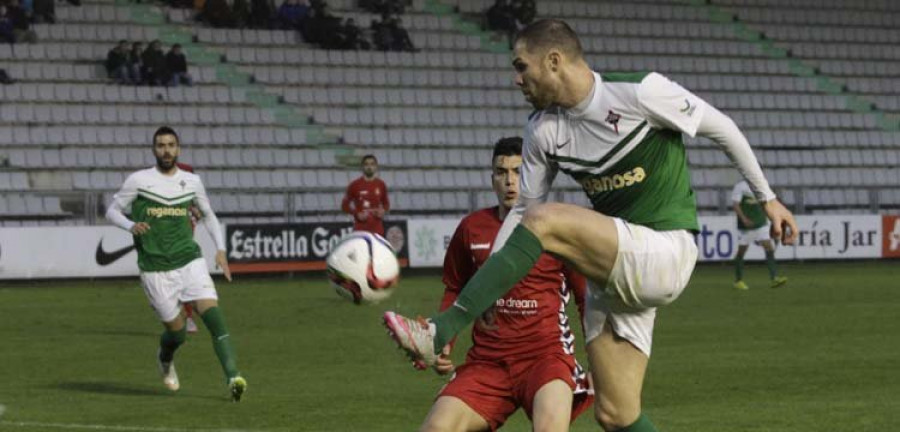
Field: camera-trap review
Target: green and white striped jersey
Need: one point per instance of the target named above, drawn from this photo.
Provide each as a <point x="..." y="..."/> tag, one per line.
<point x="750" y="206"/>
<point x="623" y="145"/>
<point x="164" y="203"/>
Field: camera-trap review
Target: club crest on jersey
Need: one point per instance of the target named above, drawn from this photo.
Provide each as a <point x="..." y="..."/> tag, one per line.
<point x="613" y="119"/>
<point x="183" y="184"/>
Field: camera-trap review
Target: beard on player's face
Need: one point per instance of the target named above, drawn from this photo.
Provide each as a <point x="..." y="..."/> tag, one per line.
<point x="166" y="162"/>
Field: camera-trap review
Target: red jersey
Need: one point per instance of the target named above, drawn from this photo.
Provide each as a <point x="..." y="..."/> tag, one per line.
<point x="362" y="197"/>
<point x="528" y="320"/>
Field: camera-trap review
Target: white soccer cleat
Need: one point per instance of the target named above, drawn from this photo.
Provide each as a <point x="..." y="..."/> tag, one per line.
<point x="415" y="336"/>
<point x="169" y="376"/>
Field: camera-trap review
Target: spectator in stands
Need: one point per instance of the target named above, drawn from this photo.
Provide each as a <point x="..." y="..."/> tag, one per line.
<point x="525" y="11"/>
<point x="176" y="65"/>
<point x="500" y="17"/>
<point x="21" y="20"/>
<point x="135" y="64"/>
<point x="352" y="36"/>
<point x="261" y="14"/>
<point x="44" y="11"/>
<point x="7" y="35"/>
<point x="292" y="14"/>
<point x="117" y="64"/>
<point x="402" y="42"/>
<point x="217" y="13"/>
<point x="322" y="27"/>
<point x="367" y="199"/>
<point x="382" y="36"/>
<point x="384" y="7"/>
<point x="5" y="78"/>
<point x="154" y="62"/>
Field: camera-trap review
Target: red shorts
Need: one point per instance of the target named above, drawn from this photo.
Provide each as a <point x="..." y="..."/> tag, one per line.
<point x="496" y="390"/>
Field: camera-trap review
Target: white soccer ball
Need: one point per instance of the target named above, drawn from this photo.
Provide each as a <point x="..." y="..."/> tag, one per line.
<point x="363" y="268"/>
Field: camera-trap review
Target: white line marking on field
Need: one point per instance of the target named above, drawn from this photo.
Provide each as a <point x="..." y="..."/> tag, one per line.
<point x="111" y="428"/>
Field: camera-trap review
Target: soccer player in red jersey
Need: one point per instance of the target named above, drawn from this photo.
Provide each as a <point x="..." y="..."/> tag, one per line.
<point x="523" y="352"/>
<point x="367" y="199"/>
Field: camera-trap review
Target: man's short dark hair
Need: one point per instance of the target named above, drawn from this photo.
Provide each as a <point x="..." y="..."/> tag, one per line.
<point x="165" y="130"/>
<point x="543" y="35"/>
<point x="509" y="146"/>
<point x="367" y="157"/>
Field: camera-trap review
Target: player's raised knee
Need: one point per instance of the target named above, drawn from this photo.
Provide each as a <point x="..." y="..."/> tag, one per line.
<point x="608" y="417"/>
<point x="540" y="219"/>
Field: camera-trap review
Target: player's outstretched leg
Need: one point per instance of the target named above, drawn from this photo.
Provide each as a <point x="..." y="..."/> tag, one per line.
<point x="169" y="341"/>
<point x="777" y="281"/>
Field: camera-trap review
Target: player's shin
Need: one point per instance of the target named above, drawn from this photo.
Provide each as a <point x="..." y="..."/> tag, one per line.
<point x="642" y="424"/>
<point x="770" y="262"/>
<point x="169" y="341"/>
<point x="498" y="274"/>
<point x="215" y="322"/>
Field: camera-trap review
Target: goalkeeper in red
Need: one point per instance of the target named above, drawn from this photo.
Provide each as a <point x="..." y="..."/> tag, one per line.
<point x="523" y="352"/>
<point x="173" y="270"/>
<point x="620" y="137"/>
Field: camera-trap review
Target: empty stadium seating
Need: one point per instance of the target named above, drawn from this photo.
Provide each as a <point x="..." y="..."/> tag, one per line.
<point x="431" y="116"/>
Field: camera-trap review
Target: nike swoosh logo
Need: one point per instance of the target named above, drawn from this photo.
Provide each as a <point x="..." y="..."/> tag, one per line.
<point x="105" y="258"/>
<point x="687" y="106"/>
<point x="559" y="146"/>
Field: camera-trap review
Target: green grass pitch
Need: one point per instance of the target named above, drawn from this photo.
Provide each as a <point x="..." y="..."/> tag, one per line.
<point x="821" y="353"/>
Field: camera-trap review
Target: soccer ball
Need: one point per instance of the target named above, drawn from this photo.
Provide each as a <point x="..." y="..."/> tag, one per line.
<point x="363" y="268"/>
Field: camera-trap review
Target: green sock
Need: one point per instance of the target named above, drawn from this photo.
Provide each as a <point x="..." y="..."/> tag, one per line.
<point x="770" y="262"/>
<point x="498" y="274"/>
<point x="215" y="322"/>
<point x="642" y="424"/>
<point x="739" y="268"/>
<point x="169" y="341"/>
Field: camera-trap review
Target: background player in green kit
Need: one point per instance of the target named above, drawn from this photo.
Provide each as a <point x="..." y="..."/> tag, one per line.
<point x="619" y="136"/>
<point x="173" y="270"/>
<point x="753" y="226"/>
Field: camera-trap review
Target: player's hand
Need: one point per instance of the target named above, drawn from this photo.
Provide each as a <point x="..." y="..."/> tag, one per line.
<point x="222" y="263"/>
<point x="746" y="221"/>
<point x="784" y="227"/>
<point x="196" y="213"/>
<point x="362" y="216"/>
<point x="444" y="365"/>
<point x="140" y="228"/>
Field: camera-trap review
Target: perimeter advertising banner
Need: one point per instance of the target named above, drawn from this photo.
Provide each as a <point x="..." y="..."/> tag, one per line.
<point x="86" y="251"/>
<point x="820" y="237"/>
<point x="296" y="247"/>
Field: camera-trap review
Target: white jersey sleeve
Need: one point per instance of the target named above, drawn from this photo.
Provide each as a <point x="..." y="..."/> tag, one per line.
<point x="740" y="189"/>
<point x="121" y="202"/>
<point x="210" y="221"/>
<point x="668" y="105"/>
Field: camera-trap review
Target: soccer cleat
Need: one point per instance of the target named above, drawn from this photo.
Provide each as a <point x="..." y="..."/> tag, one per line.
<point x="415" y="336"/>
<point x="169" y="376"/>
<point x="778" y="281"/>
<point x="741" y="285"/>
<point x="191" y="325"/>
<point x="237" y="386"/>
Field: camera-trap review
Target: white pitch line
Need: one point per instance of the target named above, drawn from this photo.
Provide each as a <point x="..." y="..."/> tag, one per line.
<point x="111" y="428"/>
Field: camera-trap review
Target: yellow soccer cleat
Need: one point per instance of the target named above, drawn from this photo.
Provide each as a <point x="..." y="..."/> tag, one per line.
<point x="741" y="285"/>
<point x="778" y="281"/>
<point x="237" y="386"/>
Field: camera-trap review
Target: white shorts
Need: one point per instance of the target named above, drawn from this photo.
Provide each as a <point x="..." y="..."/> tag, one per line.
<point x="167" y="290"/>
<point x="652" y="268"/>
<point x="757" y="236"/>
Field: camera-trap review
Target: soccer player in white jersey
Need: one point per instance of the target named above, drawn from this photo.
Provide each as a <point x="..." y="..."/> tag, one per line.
<point x="620" y="137"/>
<point x="173" y="270"/>
<point x="753" y="226"/>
